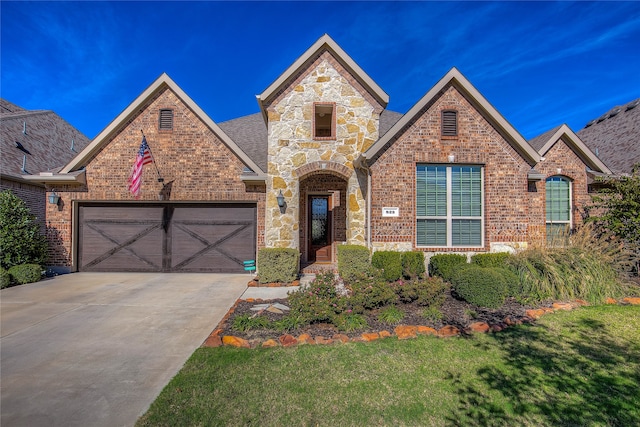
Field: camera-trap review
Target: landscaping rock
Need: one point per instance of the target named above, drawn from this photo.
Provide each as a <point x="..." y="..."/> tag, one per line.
<point x="562" y="306"/>
<point x="406" y="332"/>
<point x="325" y="341"/>
<point x="232" y="341"/>
<point x="479" y="327"/>
<point x="535" y="313"/>
<point x="288" y="340"/>
<point x="581" y="302"/>
<point x="448" y="331"/>
<point x="341" y="337"/>
<point x="385" y="334"/>
<point x="270" y="343"/>
<point x="631" y="300"/>
<point x="212" y="341"/>
<point x="371" y="336"/>
<point x="306" y="339"/>
<point x="610" y="301"/>
<point x="426" y="330"/>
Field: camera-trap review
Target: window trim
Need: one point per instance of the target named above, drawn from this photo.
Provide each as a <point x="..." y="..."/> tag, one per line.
<point x="160" y="111"/>
<point x="547" y="222"/>
<point x="449" y="216"/>
<point x="332" y="136"/>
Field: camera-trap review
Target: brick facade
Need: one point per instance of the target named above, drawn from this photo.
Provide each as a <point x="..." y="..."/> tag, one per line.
<point x="193" y="161"/>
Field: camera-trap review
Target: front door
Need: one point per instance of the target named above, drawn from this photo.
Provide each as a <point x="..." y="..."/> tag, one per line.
<point x="319" y="229"/>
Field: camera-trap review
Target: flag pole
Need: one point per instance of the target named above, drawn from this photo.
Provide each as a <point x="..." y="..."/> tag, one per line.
<point x="160" y="178"/>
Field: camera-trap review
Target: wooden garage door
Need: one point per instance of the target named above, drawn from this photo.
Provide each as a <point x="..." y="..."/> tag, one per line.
<point x="166" y="237"/>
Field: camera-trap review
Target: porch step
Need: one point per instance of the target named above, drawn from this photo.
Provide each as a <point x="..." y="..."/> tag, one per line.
<point x="319" y="268"/>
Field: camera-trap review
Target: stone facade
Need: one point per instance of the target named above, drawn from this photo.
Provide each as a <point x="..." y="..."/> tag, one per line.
<point x="291" y="145"/>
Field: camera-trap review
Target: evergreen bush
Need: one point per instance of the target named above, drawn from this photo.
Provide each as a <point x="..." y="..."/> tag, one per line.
<point x="484" y="287"/>
<point x="5" y="278"/>
<point x="413" y="264"/>
<point x="277" y="265"/>
<point x="353" y="262"/>
<point x="389" y="262"/>
<point x="498" y="259"/>
<point x="26" y="273"/>
<point x="444" y="265"/>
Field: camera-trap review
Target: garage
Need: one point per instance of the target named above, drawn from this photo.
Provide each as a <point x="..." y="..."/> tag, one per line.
<point x="166" y="237"/>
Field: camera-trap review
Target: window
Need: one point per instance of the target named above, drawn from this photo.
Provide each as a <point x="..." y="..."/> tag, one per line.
<point x="449" y="123"/>
<point x="449" y="206"/>
<point x="323" y="121"/>
<point x="165" y="121"/>
<point x="558" y="193"/>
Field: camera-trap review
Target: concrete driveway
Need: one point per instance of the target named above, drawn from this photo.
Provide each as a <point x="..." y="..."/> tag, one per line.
<point x="95" y="349"/>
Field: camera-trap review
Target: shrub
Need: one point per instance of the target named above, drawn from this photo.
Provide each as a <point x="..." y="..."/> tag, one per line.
<point x="26" y="273"/>
<point x="247" y="322"/>
<point x="430" y="291"/>
<point x="317" y="302"/>
<point x="484" y="287"/>
<point x="20" y="239"/>
<point x="277" y="265"/>
<point x="443" y="265"/>
<point x="353" y="261"/>
<point x="413" y="264"/>
<point x="391" y="315"/>
<point x="389" y="262"/>
<point x="349" y="322"/>
<point x="371" y="292"/>
<point x="498" y="259"/>
<point x="5" y="278"/>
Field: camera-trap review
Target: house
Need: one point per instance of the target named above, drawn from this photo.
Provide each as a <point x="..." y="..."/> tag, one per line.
<point x="615" y="137"/>
<point x="34" y="141"/>
<point x="321" y="164"/>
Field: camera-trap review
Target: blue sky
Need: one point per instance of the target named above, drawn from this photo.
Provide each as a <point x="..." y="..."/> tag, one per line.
<point x="540" y="63"/>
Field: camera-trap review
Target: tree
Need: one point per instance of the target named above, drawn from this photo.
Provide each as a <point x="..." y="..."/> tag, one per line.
<point x="619" y="207"/>
<point x="20" y="239"/>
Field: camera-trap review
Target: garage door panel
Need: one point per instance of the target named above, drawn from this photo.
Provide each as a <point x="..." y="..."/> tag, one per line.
<point x="168" y="237"/>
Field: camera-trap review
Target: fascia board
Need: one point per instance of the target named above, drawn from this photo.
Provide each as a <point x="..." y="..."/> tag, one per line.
<point x="341" y="55"/>
<point x="76" y="177"/>
<point x="575" y="143"/>
<point x="456" y="78"/>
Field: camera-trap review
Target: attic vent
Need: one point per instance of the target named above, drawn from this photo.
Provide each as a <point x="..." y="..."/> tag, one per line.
<point x="615" y="111"/>
<point x="449" y="123"/>
<point x="633" y="104"/>
<point x="166" y="119"/>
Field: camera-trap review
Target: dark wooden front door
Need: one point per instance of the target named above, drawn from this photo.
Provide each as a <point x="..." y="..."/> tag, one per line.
<point x="166" y="237"/>
<point x="319" y="240"/>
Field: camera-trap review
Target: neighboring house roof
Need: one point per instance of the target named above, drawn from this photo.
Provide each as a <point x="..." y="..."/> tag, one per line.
<point x="161" y="83"/>
<point x="615" y="137"/>
<point x="33" y="141"/>
<point x="455" y="78"/>
<point x="544" y="142"/>
<point x="324" y="42"/>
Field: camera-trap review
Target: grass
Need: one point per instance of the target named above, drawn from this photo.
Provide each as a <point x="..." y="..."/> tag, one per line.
<point x="570" y="368"/>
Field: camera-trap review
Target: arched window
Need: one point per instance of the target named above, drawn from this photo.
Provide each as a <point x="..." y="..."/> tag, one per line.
<point x="558" y="190"/>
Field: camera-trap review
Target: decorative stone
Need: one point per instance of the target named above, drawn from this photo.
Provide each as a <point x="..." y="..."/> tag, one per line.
<point x="631" y="300"/>
<point x="510" y="321"/>
<point x="581" y="302"/>
<point x="610" y="301"/>
<point x="497" y="328"/>
<point x="288" y="340"/>
<point x="448" y="331"/>
<point x="259" y="307"/>
<point x="535" y="313"/>
<point x="385" y="334"/>
<point x="562" y="306"/>
<point x="341" y="337"/>
<point x="323" y="341"/>
<point x="479" y="327"/>
<point x="272" y="309"/>
<point x="370" y="336"/>
<point x="212" y="341"/>
<point x="270" y="343"/>
<point x="405" y="332"/>
<point x="426" y="330"/>
<point x="282" y="306"/>
<point x="278" y="183"/>
<point x="305" y="339"/>
<point x="232" y="341"/>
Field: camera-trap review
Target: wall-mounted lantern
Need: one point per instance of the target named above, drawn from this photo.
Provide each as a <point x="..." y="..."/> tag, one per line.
<point x="281" y="202"/>
<point x="54" y="199"/>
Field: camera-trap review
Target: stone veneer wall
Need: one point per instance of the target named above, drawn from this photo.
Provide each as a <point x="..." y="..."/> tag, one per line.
<point x="507" y="215"/>
<point x="191" y="158"/>
<point x="291" y="145"/>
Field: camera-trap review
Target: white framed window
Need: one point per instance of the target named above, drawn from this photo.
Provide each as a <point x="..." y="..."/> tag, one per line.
<point x="449" y="206"/>
<point x="558" y="207"/>
<point x="324" y="123"/>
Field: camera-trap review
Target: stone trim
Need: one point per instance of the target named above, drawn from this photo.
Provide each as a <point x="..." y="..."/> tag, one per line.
<point x="332" y="168"/>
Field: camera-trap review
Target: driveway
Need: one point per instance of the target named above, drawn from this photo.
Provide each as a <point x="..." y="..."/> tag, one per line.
<point x="95" y="349"/>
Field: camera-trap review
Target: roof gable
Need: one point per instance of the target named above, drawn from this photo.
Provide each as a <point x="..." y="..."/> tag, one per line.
<point x="324" y="43"/>
<point x="455" y="78"/>
<point x="162" y="82"/>
<point x="572" y="140"/>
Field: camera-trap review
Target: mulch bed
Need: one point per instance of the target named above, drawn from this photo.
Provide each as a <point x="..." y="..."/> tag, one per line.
<point x="455" y="313"/>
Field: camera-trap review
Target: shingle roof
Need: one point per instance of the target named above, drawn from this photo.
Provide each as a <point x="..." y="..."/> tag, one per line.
<point x="539" y="141"/>
<point x="615" y="137"/>
<point x="250" y="133"/>
<point x="46" y="145"/>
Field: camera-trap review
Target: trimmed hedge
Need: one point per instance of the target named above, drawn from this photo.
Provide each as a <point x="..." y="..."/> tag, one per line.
<point x="413" y="264"/>
<point x="5" y="278"/>
<point x="390" y="262"/>
<point x="443" y="265"/>
<point x="278" y="265"/>
<point x="353" y="262"/>
<point x="484" y="287"/>
<point x="498" y="259"/>
<point x="26" y="273"/>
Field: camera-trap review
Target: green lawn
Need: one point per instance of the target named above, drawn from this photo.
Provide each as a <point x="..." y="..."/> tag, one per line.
<point x="579" y="368"/>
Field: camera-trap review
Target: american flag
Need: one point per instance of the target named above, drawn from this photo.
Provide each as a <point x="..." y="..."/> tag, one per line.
<point x="142" y="158"/>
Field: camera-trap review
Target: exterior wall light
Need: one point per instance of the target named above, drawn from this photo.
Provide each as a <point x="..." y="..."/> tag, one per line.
<point x="451" y="158"/>
<point x="54" y="199"/>
<point x="280" y="199"/>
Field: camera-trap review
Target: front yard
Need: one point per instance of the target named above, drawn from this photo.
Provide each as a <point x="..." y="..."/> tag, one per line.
<point x="569" y="368"/>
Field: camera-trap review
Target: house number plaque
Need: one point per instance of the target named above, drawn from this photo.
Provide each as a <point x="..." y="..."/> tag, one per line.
<point x="390" y="211"/>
